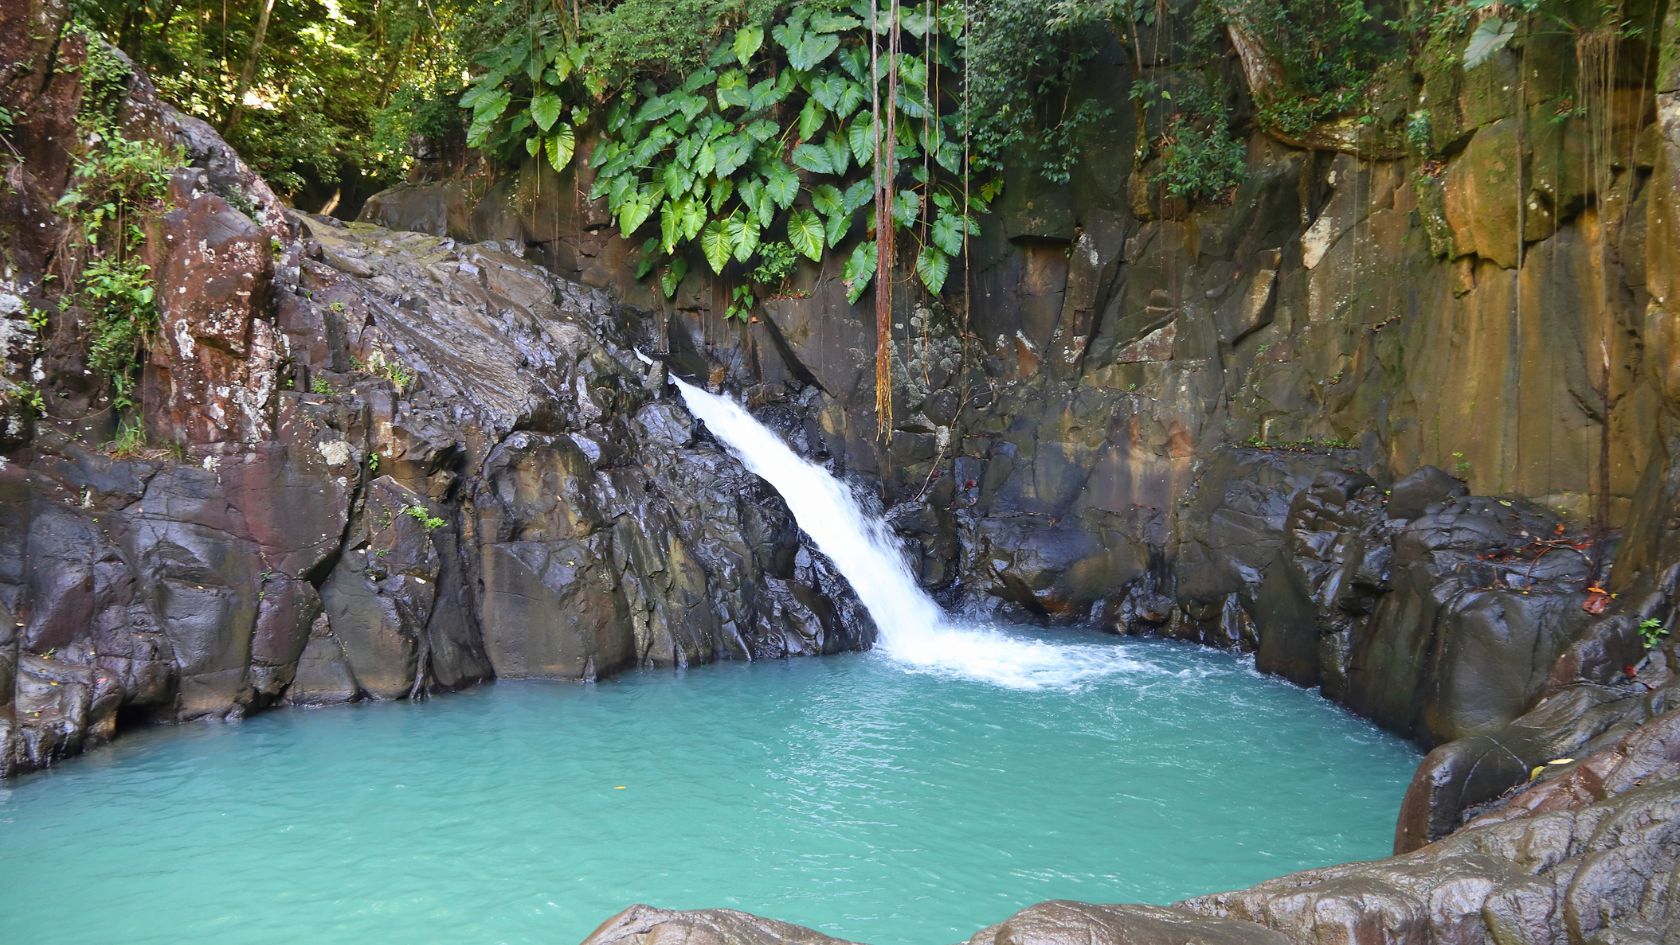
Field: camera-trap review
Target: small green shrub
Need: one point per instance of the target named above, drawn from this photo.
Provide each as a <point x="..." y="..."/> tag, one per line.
<point x="130" y="441"/>
<point x="1419" y="131"/>
<point x="1652" y="632"/>
<point x="1201" y="164"/>
<point x="422" y="515"/>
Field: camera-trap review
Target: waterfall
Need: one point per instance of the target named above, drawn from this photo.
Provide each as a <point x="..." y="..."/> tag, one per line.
<point x="913" y="631"/>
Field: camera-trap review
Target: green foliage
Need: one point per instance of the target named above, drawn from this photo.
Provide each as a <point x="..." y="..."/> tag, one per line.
<point x="30" y="397"/>
<point x="761" y="148"/>
<point x="1652" y="632"/>
<point x="115" y="186"/>
<point x="130" y="441"/>
<point x="1419" y="131"/>
<point x="1200" y="160"/>
<point x="775" y="263"/>
<point x="422" y="515"/>
<point x="1022" y="58"/>
<point x="323" y="387"/>
<point x="338" y="86"/>
<point x="385" y="368"/>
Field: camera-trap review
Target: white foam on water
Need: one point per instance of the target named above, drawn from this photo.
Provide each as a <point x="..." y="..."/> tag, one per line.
<point x="913" y="630"/>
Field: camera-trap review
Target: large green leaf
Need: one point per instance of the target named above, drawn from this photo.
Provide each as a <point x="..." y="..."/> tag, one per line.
<point x="672" y="276"/>
<point x="561" y="144"/>
<point x="805" y="49"/>
<point x="827" y="199"/>
<point x="906" y="208"/>
<point x="732" y="90"/>
<point x="691" y="215"/>
<point x="768" y="92"/>
<point x="827" y="90"/>
<point x="721" y="189"/>
<point x="748" y="39"/>
<point x="636" y="209"/>
<point x="705" y="160"/>
<point x="933" y="266"/>
<point x="860" y="135"/>
<point x="678" y="179"/>
<point x="947" y="233"/>
<point x="731" y="153"/>
<point x="811" y="119"/>
<point x="839" y="155"/>
<point x="714" y="243"/>
<point x="545" y="110"/>
<point x="851" y="98"/>
<point x="670" y="227"/>
<point x="825" y="22"/>
<point x="859" y="193"/>
<point x="1491" y="35"/>
<point x="814" y="158"/>
<point x="837" y="225"/>
<point x="782" y="184"/>
<point x="805" y="232"/>
<point x="743" y="233"/>
<point x="690" y="106"/>
<point x="755" y="198"/>
<point x="858" y="270"/>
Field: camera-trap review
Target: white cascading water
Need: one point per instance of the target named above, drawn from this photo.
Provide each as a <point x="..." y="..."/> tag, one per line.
<point x="913" y="630"/>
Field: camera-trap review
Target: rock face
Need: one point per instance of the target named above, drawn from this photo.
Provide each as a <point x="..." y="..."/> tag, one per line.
<point x="480" y="483"/>
<point x="390" y="465"/>
<point x="1067" y="427"/>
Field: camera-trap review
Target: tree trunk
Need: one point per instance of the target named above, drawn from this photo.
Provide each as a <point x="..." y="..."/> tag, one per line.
<point x="249" y="73"/>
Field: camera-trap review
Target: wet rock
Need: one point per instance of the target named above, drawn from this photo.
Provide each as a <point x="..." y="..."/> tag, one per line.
<point x="645" y="925"/>
<point x="1061" y="922"/>
<point x="438" y="208"/>
<point x="1412" y="496"/>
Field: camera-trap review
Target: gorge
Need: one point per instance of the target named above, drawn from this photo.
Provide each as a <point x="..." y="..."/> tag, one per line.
<point x="1378" y="394"/>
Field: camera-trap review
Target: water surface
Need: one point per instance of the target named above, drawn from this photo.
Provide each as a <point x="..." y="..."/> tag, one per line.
<point x="893" y="807"/>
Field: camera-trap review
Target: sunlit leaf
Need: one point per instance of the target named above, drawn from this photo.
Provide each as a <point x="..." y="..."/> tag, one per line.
<point x="715" y="244"/>
<point x="1491" y="35"/>
<point x="545" y="110"/>
<point x="814" y="158"/>
<point x="743" y="233"/>
<point x="561" y="144"/>
<point x="858" y="270"/>
<point x="782" y="184"/>
<point x="748" y="39"/>
<point x="806" y="234"/>
<point x="933" y="266"/>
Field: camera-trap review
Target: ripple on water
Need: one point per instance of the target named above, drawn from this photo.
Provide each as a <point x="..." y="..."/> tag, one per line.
<point x="900" y="808"/>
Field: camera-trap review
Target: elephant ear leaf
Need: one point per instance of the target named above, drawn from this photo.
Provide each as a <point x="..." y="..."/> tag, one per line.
<point x="947" y="233"/>
<point x="805" y="232"/>
<point x="743" y="233"/>
<point x="672" y="277"/>
<point x="545" y="110"/>
<point x="859" y="269"/>
<point x="714" y="243"/>
<point x="782" y="185"/>
<point x="1491" y="35"/>
<point x="748" y="39"/>
<point x="933" y="266"/>
<point x="814" y="158"/>
<point x="561" y="145"/>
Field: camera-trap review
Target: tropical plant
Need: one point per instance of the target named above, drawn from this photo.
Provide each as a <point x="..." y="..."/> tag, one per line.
<point x="771" y="145"/>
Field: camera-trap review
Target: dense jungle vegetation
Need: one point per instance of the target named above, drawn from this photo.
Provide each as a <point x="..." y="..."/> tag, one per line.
<point x="745" y="135"/>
